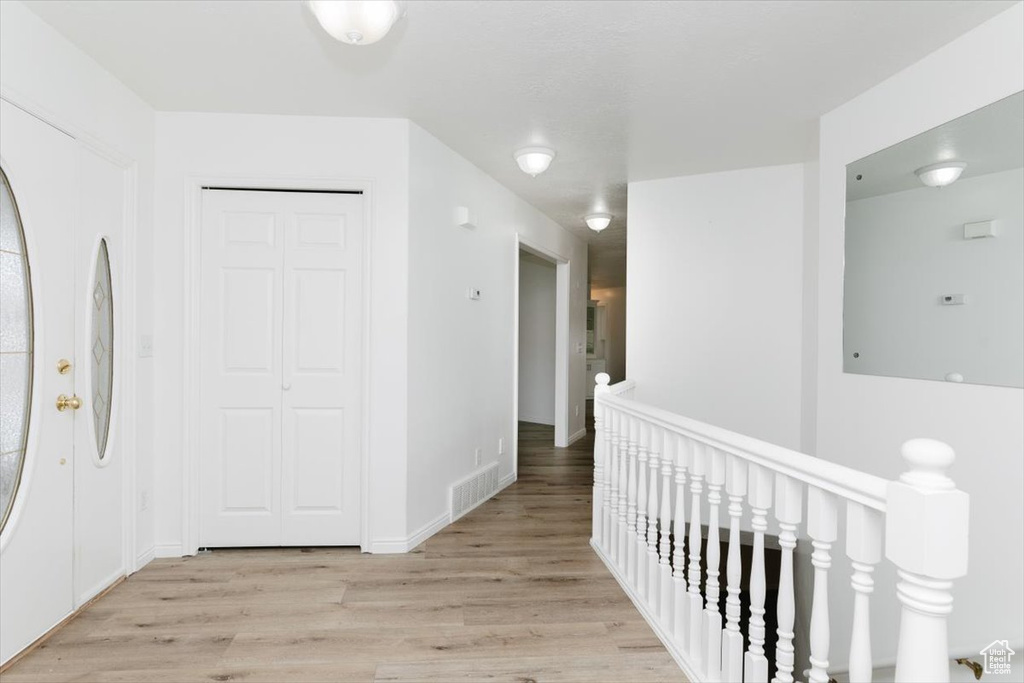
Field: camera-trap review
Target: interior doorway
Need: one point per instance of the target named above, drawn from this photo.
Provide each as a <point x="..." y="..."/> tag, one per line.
<point x="548" y="398"/>
<point x="537" y="318"/>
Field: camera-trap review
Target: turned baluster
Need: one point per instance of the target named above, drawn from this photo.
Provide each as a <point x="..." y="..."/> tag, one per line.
<point x="637" y="575"/>
<point x="600" y="456"/>
<point x="926" y="538"/>
<point x="651" y="561"/>
<point x="788" y="512"/>
<point x="759" y="496"/>
<point x="732" y="638"/>
<point x="620" y="527"/>
<point x="712" y="611"/>
<point x="665" y="548"/>
<point x="611" y="474"/>
<point x="822" y="514"/>
<point x="679" y="610"/>
<point x="628" y="557"/>
<point x="696" y="607"/>
<point x="864" y="548"/>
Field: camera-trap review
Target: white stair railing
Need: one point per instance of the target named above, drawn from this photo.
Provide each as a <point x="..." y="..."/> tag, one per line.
<point x="655" y="475"/>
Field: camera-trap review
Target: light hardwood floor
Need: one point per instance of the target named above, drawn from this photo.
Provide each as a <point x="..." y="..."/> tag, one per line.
<point x="511" y="592"/>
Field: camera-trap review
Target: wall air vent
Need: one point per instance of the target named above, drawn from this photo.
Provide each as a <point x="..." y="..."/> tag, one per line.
<point x="467" y="493"/>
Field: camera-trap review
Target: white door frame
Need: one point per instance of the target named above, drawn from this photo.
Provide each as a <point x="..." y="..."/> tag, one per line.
<point x="125" y="373"/>
<point x="562" y="351"/>
<point x="191" y="329"/>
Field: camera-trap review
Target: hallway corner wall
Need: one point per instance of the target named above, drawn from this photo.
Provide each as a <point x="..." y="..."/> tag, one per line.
<point x="461" y="351"/>
<point x="715" y="317"/>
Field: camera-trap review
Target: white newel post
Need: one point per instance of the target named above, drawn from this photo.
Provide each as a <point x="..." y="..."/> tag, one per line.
<point x="732" y="638"/>
<point x="926" y="534"/>
<point x="864" y="548"/>
<point x="713" y="553"/>
<point x="789" y="512"/>
<point x="600" y="454"/>
<point x="759" y="496"/>
<point x="681" y="615"/>
<point x="822" y="527"/>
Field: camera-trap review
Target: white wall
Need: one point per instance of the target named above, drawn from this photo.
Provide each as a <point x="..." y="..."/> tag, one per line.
<point x="715" y="298"/>
<point x="862" y="420"/>
<point x="536" y="340"/>
<point x="906" y="249"/>
<point x="45" y="74"/>
<point x="210" y="146"/>
<point x="460" y="366"/>
<point x="613" y="301"/>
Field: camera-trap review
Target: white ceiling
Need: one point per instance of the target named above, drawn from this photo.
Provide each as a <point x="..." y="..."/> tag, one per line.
<point x="623" y="90"/>
<point x="989" y="140"/>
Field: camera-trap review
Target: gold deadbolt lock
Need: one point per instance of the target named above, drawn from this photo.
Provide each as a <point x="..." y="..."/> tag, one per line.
<point x="63" y="366"/>
<point x="65" y="402"/>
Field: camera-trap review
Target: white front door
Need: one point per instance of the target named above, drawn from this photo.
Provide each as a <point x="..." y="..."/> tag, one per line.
<point x="99" y="483"/>
<point x="37" y="476"/>
<point x="280" y="368"/>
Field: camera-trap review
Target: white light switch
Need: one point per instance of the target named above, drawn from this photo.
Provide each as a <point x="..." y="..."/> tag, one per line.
<point x="473" y="293"/>
<point x="953" y="299"/>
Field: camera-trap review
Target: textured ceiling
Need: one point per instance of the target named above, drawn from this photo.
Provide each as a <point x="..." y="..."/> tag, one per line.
<point x="622" y="90"/>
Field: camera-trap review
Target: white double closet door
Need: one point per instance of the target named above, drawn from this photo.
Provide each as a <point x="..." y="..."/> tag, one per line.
<point x="280" y="368"/>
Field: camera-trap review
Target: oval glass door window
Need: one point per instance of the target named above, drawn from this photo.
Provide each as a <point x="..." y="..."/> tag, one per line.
<point x="102" y="347"/>
<point x="15" y="348"/>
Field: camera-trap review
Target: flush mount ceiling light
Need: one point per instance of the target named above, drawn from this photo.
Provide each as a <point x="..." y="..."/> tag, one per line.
<point x="941" y="174"/>
<point x="357" y="22"/>
<point x="534" y="160"/>
<point x="598" y="221"/>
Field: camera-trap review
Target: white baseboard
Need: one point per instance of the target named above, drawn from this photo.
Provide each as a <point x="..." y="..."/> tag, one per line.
<point x="577" y="436"/>
<point x="168" y="550"/>
<point x="537" y="420"/>
<point x="505" y="482"/>
<point x="428" y="530"/>
<point x="651" y="620"/>
<point x="392" y="546"/>
<point x="147" y="556"/>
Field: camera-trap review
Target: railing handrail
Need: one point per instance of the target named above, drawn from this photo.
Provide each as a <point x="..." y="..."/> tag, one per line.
<point x="846" y="482"/>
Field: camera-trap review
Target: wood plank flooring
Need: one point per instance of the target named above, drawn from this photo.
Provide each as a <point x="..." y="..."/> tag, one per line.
<point x="511" y="592"/>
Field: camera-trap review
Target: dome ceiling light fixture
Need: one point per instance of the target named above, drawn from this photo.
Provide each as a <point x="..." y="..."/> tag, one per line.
<point x="941" y="174"/>
<point x="598" y="221"/>
<point x="534" y="160"/>
<point x="357" y="22"/>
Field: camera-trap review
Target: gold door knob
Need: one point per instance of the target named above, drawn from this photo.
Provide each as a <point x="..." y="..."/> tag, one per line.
<point x="65" y="402"/>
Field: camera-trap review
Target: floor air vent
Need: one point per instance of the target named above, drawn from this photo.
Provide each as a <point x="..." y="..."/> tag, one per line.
<point x="473" y="490"/>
